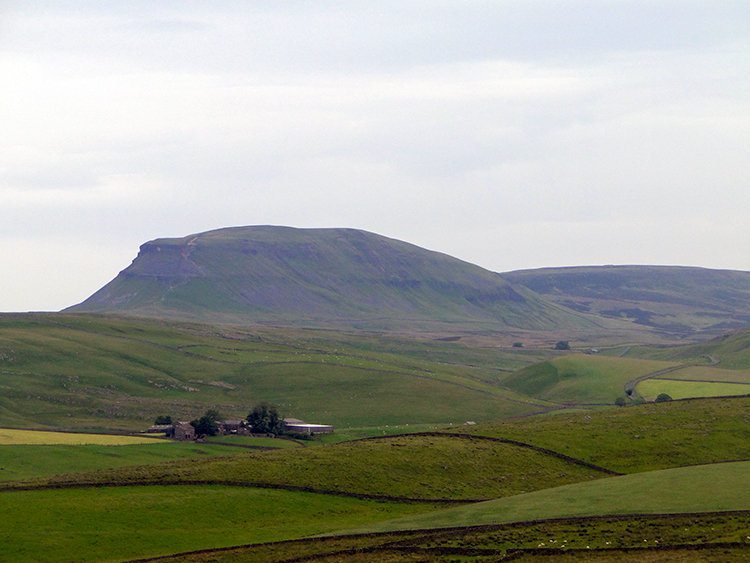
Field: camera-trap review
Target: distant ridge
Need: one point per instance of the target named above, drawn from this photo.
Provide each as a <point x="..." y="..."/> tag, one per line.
<point x="674" y="299"/>
<point x="342" y="278"/>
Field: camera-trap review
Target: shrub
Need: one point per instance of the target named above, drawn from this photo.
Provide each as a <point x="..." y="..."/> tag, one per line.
<point x="562" y="345"/>
<point x="662" y="397"/>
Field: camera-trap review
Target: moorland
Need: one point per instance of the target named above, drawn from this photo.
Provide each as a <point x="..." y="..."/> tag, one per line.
<point x="463" y="430"/>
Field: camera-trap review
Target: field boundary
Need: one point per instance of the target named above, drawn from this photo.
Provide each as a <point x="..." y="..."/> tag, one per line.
<point x="4" y="488"/>
<point x="501" y="441"/>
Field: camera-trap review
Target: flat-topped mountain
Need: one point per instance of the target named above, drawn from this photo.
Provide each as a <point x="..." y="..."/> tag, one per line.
<point x="320" y="277"/>
<point x="675" y="299"/>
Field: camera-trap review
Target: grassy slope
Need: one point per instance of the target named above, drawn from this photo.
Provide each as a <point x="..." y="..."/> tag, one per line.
<point x="425" y="467"/>
<point x="642" y="437"/>
<point x="64" y="370"/>
<point x="580" y="378"/>
<point x="116" y="524"/>
<point x="705" y="488"/>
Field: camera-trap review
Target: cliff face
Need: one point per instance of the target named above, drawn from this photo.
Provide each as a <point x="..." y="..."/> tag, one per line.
<point x="318" y="277"/>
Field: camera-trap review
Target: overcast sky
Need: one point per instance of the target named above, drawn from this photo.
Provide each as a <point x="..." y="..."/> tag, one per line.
<point x="509" y="133"/>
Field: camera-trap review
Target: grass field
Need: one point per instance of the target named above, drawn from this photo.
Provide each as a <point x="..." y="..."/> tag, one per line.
<point x="117" y="524"/>
<point x="704" y="488"/>
<point x="717" y="538"/>
<point x="710" y="373"/>
<point x="580" y="378"/>
<point x="32" y="462"/>
<point x="423" y="467"/>
<point x="640" y="437"/>
<point x="677" y="389"/>
<point x="276" y="443"/>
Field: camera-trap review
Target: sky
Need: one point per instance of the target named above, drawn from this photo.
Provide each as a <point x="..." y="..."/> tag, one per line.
<point x="512" y="134"/>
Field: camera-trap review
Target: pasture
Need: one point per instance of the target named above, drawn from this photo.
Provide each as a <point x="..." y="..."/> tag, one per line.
<point x="117" y="524"/>
<point x="34" y="462"/>
<point x="421" y="467"/>
<point x="639" y="437"/>
<point x="581" y="378"/>
<point x="678" y="389"/>
<point x="703" y="488"/>
<point x="714" y="538"/>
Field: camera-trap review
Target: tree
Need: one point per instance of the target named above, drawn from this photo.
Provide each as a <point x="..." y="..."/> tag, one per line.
<point x="562" y="345"/>
<point x="208" y="424"/>
<point x="620" y="401"/>
<point x="163" y="419"/>
<point x="662" y="397"/>
<point x="264" y="418"/>
<point x="518" y="345"/>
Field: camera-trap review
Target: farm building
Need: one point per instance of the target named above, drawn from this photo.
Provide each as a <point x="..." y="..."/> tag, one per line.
<point x="160" y="429"/>
<point x="232" y="427"/>
<point x="183" y="431"/>
<point x="297" y="425"/>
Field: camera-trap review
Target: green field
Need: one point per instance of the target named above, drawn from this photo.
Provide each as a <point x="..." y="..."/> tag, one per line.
<point x="117" y="524"/>
<point x="640" y="437"/>
<point x="704" y="488"/>
<point x="581" y="378"/>
<point x="30" y="462"/>
<point x="422" y="467"/>
<point x="676" y="389"/>
<point x="274" y="443"/>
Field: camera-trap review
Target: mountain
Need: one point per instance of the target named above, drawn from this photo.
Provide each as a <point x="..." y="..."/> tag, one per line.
<point x="678" y="300"/>
<point x="341" y="278"/>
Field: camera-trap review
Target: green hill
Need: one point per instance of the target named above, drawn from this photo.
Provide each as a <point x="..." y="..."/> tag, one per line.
<point x="320" y="277"/>
<point x="580" y="378"/>
<point x="84" y="371"/>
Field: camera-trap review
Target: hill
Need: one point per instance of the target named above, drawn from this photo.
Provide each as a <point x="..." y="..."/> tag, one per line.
<point x="671" y="299"/>
<point x="83" y="370"/>
<point x="341" y="278"/>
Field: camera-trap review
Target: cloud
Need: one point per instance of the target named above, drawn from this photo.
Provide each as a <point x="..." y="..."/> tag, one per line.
<point x="450" y="125"/>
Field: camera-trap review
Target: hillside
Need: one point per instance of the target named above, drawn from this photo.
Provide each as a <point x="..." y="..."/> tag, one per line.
<point x="341" y="278"/>
<point x="676" y="300"/>
<point x="83" y="370"/>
